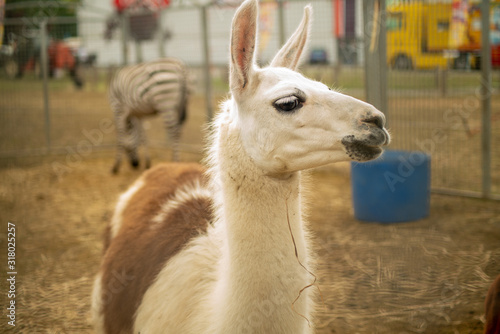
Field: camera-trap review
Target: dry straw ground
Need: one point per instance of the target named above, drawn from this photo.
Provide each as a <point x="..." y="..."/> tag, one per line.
<point x="428" y="276"/>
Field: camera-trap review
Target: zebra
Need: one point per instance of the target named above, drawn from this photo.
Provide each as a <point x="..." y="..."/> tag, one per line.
<point x="143" y="90"/>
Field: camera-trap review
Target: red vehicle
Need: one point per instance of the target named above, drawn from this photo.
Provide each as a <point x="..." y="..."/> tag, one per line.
<point x="60" y="59"/>
<point x="471" y="49"/>
<point x="25" y="56"/>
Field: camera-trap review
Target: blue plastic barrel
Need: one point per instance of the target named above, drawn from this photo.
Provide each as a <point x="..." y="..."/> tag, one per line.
<point x="393" y="188"/>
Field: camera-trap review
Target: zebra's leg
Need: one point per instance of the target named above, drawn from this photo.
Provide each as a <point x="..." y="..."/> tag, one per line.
<point x="132" y="139"/>
<point x="173" y="127"/>
<point x="144" y="142"/>
<point x="118" y="161"/>
<point x="175" y="137"/>
<point x="120" y="123"/>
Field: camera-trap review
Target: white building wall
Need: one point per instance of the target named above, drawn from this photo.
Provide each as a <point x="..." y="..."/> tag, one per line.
<point x="185" y="27"/>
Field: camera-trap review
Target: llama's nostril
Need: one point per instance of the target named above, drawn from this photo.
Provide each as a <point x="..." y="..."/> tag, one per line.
<point x="375" y="120"/>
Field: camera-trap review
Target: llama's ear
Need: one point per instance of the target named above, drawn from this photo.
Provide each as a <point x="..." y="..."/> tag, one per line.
<point x="290" y="53"/>
<point x="243" y="39"/>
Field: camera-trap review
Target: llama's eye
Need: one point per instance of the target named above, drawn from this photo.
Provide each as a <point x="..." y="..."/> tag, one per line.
<point x="288" y="104"/>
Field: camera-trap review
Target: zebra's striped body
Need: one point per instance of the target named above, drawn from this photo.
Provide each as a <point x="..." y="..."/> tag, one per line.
<point x="147" y="89"/>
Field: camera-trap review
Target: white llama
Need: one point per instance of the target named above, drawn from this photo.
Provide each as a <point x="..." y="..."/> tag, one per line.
<point x="226" y="251"/>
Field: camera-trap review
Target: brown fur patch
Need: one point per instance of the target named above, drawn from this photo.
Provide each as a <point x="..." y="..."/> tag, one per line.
<point x="142" y="247"/>
<point x="492" y="307"/>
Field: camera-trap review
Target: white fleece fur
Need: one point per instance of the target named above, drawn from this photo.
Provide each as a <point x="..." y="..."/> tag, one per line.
<point x="187" y="192"/>
<point x="116" y="220"/>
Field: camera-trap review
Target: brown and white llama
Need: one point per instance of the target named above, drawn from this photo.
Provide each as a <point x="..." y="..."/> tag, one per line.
<point x="492" y="308"/>
<point x="226" y="251"/>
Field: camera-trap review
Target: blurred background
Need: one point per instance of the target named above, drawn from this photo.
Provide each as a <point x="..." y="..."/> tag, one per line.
<point x="432" y="66"/>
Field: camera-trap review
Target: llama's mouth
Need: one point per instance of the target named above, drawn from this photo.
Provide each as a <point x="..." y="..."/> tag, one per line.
<point x="362" y="149"/>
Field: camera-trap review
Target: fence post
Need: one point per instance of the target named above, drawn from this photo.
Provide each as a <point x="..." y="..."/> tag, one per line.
<point x="206" y="62"/>
<point x="44" y="64"/>
<point x="441" y="80"/>
<point x="281" y="23"/>
<point x="486" y="98"/>
<point x="160" y="33"/>
<point x="375" y="54"/>
<point x="124" y="25"/>
<point x="138" y="52"/>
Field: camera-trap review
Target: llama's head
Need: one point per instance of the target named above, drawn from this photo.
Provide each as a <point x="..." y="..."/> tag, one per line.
<point x="288" y="122"/>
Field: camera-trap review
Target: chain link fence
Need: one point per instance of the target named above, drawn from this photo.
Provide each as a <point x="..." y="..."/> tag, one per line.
<point x="442" y="98"/>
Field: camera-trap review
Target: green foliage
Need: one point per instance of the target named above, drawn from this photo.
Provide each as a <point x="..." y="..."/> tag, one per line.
<point x="33" y="11"/>
<point x="41" y="8"/>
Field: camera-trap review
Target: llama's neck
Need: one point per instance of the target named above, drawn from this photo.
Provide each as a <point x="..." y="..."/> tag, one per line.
<point x="260" y="274"/>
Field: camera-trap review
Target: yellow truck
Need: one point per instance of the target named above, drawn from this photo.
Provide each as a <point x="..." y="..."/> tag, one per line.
<point x="417" y="35"/>
<point x="439" y="34"/>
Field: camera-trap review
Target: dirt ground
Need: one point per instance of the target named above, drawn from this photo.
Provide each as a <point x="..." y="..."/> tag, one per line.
<point x="428" y="276"/>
